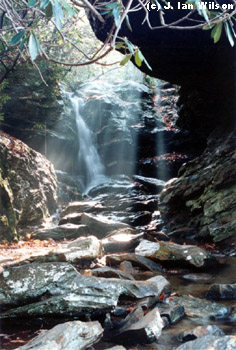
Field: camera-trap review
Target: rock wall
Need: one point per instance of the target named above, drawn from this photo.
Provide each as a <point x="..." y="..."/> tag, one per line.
<point x="28" y="187"/>
<point x="203" y="198"/>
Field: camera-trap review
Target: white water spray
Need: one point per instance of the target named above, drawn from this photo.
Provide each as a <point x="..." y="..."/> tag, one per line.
<point x="91" y="169"/>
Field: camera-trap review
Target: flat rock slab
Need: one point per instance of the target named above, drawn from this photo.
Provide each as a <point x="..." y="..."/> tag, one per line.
<point x="172" y="252"/>
<point x="75" y="335"/>
<point x="87" y="295"/>
<point x="67" y="231"/>
<point x="99" y="225"/>
<point x="211" y="342"/>
<point x="108" y="272"/>
<point x="19" y="284"/>
<point x="152" y="184"/>
<point x="83" y="207"/>
<point x="145" y="263"/>
<point x="221" y="291"/>
<point x="196" y="307"/>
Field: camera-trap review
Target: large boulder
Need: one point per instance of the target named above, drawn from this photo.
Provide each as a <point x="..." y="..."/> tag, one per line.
<point x="204" y="195"/>
<point x="28" y="187"/>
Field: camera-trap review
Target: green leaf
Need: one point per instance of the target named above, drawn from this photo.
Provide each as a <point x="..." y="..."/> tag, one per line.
<point x="33" y="49"/>
<point x="32" y="2"/>
<point x="229" y="34"/>
<point x="17" y="38"/>
<point x="112" y="6"/>
<point x="69" y="9"/>
<point x="44" y="3"/>
<point x="119" y="46"/>
<point x="128" y="22"/>
<point x="48" y="11"/>
<point x="218" y="32"/>
<point x="130" y="46"/>
<point x="116" y="15"/>
<point x="137" y="59"/>
<point x="207" y="27"/>
<point x="126" y="59"/>
<point x="58" y="14"/>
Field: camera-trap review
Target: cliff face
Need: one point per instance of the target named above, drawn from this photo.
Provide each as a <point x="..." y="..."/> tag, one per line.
<point x="188" y="58"/>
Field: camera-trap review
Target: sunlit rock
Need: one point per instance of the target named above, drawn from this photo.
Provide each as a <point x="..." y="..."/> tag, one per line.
<point x="99" y="225"/>
<point x="74" y="335"/>
<point x="121" y="240"/>
<point x="83" y="207"/>
<point x="75" y="296"/>
<point x="20" y="284"/>
<point x="28" y="187"/>
<point x="211" y="342"/>
<point x="151" y="184"/>
<point x="171" y="252"/>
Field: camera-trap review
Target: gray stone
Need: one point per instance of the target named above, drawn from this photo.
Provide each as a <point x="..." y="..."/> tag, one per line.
<point x="74" y="335"/>
<point x="120" y="240"/>
<point x="144" y="330"/>
<point x="20" y="284"/>
<point x="139" y="260"/>
<point x="152" y="184"/>
<point x="211" y="342"/>
<point x="86" y="296"/>
<point x="200" y="331"/>
<point x="108" y="272"/>
<point x="83" y="207"/>
<point x="172" y="314"/>
<point x="99" y="226"/>
<point x="221" y="291"/>
<point x="196" y="307"/>
<point x="169" y="252"/>
<point x="67" y="231"/>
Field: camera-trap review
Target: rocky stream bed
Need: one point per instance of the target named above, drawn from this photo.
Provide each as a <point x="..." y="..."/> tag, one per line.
<point x="109" y="277"/>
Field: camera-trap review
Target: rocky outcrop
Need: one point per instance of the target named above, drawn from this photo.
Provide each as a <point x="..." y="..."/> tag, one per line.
<point x="188" y="58"/>
<point x="28" y="187"/>
<point x="204" y="195"/>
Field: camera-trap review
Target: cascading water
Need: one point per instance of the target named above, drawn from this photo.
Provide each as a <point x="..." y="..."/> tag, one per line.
<point x="91" y="169"/>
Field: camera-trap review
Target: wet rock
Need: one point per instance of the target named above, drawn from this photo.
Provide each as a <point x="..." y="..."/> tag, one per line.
<point x="151" y="184"/>
<point x="210" y="342"/>
<point x="171" y="252"/>
<point x="204" y="194"/>
<point x="139" y="260"/>
<point x="172" y="314"/>
<point x="127" y="267"/>
<point x="74" y="335"/>
<point x="83" y="207"/>
<point x="156" y="236"/>
<point x="140" y="218"/>
<point x="221" y="291"/>
<point x="120" y="240"/>
<point x="28" y="187"/>
<point x="198" y="277"/>
<point x="73" y="218"/>
<point x="145" y="330"/>
<point x="109" y="272"/>
<point x="200" y="331"/>
<point x="81" y="295"/>
<point x="66" y="231"/>
<point x="19" y="284"/>
<point x="99" y="225"/>
<point x="196" y="307"/>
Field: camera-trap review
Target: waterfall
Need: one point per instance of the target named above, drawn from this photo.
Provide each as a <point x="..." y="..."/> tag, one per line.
<point x="91" y="169"/>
